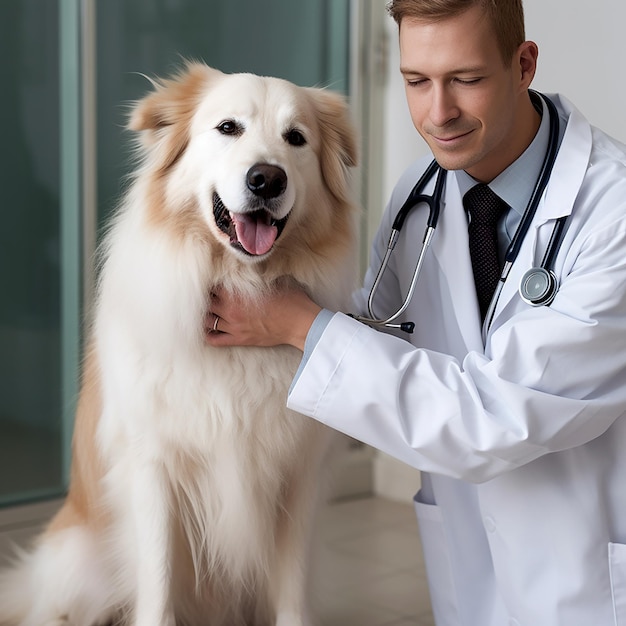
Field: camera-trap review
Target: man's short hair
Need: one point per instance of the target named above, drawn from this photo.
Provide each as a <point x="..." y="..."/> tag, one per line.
<point x="506" y="16"/>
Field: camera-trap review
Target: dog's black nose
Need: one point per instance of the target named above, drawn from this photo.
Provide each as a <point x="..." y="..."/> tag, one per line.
<point x="267" y="181"/>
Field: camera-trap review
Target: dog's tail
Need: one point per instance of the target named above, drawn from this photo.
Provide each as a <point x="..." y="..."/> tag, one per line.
<point x="60" y="581"/>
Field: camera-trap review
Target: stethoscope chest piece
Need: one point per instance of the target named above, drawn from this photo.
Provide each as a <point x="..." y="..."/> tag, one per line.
<point x="538" y="286"/>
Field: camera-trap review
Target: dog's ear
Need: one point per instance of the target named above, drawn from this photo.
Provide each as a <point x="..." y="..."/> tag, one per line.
<point x="162" y="118"/>
<point x="338" y="139"/>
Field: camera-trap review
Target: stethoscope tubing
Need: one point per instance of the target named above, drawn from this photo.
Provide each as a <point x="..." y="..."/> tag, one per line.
<point x="521" y="232"/>
<point x="417" y="196"/>
<point x="542" y="182"/>
<point x="434" y="204"/>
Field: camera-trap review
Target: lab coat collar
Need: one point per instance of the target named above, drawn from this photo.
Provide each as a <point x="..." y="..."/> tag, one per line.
<point x="571" y="163"/>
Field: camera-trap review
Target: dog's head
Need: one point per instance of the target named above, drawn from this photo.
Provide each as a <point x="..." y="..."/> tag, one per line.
<point x="253" y="157"/>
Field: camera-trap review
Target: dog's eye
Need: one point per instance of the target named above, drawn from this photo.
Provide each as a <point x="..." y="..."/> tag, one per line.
<point x="229" y="127"/>
<point x="295" y="137"/>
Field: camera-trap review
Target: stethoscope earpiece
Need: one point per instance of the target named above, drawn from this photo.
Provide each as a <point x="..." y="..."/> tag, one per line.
<point x="538" y="286"/>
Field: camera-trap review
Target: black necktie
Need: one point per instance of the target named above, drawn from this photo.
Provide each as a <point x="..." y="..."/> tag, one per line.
<point x="484" y="208"/>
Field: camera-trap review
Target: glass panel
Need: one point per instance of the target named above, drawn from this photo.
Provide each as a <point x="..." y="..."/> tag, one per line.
<point x="41" y="175"/>
<point x="30" y="252"/>
<point x="305" y="42"/>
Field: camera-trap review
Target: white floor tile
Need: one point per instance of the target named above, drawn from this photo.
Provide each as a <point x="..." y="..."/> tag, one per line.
<point x="369" y="567"/>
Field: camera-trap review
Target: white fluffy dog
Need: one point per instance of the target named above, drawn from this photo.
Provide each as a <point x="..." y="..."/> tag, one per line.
<point x="193" y="488"/>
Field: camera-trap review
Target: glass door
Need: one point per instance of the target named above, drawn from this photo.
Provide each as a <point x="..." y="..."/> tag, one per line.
<point x="69" y="69"/>
<point x="39" y="280"/>
<point x="305" y="42"/>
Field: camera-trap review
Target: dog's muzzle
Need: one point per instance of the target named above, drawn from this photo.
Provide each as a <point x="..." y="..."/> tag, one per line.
<point x="255" y="231"/>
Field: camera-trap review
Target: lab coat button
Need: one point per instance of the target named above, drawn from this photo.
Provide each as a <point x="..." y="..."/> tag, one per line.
<point x="490" y="525"/>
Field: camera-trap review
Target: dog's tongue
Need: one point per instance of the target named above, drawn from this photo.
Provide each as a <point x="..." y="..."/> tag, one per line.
<point x="254" y="232"/>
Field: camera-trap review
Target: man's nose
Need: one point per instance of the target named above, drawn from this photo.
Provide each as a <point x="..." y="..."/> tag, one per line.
<point x="443" y="106"/>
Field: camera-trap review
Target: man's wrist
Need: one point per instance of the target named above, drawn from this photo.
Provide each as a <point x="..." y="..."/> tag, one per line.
<point x="302" y="326"/>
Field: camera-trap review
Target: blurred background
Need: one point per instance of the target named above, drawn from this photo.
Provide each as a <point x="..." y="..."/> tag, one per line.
<point x="69" y="70"/>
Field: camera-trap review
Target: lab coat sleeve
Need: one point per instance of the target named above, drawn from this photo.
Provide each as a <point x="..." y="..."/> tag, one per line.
<point x="554" y="377"/>
<point x="404" y="401"/>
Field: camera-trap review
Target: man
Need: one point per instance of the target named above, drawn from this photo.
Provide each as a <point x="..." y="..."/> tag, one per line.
<point x="520" y="432"/>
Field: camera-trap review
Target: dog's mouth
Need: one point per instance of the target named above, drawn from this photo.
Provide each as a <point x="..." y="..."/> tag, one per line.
<point x="254" y="233"/>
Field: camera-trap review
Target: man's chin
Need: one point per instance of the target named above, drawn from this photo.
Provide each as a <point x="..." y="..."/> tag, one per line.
<point x="453" y="162"/>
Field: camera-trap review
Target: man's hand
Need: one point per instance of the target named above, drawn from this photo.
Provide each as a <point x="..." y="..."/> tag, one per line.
<point x="284" y="317"/>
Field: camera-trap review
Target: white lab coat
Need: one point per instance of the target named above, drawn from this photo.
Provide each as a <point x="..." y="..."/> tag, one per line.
<point x="522" y="441"/>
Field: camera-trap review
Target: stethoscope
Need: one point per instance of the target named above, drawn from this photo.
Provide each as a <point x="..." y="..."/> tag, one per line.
<point x="538" y="285"/>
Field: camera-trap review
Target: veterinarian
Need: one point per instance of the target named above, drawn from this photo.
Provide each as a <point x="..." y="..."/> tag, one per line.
<point x="517" y="421"/>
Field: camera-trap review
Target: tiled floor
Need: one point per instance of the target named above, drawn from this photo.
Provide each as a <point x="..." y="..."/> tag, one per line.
<point x="369" y="569"/>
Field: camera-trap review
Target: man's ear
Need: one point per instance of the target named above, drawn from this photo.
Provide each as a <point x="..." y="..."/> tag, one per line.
<point x="526" y="60"/>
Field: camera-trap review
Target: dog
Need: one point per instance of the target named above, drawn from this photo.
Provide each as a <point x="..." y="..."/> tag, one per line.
<point x="193" y="489"/>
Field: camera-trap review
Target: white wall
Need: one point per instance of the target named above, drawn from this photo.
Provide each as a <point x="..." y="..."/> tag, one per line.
<point x="582" y="55"/>
<point x="583" y="58"/>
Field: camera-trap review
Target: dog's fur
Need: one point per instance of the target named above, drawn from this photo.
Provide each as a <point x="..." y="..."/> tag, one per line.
<point x="193" y="487"/>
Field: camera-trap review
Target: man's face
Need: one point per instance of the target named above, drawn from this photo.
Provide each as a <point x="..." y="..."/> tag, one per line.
<point x="463" y="100"/>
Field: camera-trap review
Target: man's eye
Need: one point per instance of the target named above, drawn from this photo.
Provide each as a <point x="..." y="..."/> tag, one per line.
<point x="230" y="127"/>
<point x="468" y="81"/>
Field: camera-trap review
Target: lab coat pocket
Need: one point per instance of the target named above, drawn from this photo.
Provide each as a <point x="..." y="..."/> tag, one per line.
<point x="438" y="565"/>
<point x="617" y="565"/>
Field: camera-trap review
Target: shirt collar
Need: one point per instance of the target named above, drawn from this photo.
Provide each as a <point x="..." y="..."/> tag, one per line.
<point x="516" y="183"/>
